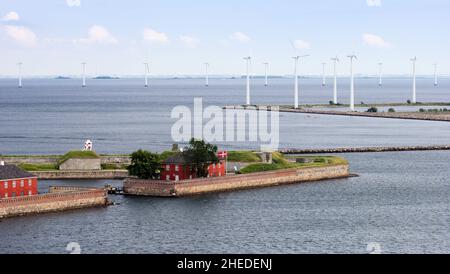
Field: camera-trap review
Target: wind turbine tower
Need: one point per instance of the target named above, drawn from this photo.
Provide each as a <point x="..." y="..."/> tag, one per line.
<point x="84" y="74"/>
<point x="296" y="58"/>
<point x="352" y="83"/>
<point x="435" y="75"/>
<point x="266" y="68"/>
<point x="206" y="74"/>
<point x="414" y="97"/>
<point x="335" y="60"/>
<point x="146" y="69"/>
<point x="20" y="73"/>
<point x="248" y="59"/>
<point x="380" y="74"/>
<point x="324" y="83"/>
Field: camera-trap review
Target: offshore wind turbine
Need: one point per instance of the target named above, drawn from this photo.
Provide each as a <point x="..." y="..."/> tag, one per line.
<point x="19" y="65"/>
<point x="324" y="83"/>
<point x="146" y="71"/>
<point x="335" y="60"/>
<point x="352" y="83"/>
<point x="206" y="74"/>
<point x="266" y="68"/>
<point x="380" y="74"/>
<point x="435" y="75"/>
<point x="248" y="59"/>
<point x="414" y="96"/>
<point x="296" y="58"/>
<point x="84" y="74"/>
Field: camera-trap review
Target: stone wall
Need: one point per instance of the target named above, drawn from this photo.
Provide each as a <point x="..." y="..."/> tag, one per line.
<point x="233" y="182"/>
<point x="85" y="174"/>
<point x="81" y="164"/>
<point x="17" y="160"/>
<point x="51" y="202"/>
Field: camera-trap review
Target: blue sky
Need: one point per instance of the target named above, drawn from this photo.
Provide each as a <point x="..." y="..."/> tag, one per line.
<point x="52" y="37"/>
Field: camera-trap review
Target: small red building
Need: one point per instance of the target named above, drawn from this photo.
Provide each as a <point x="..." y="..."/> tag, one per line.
<point x="15" y="182"/>
<point x="176" y="168"/>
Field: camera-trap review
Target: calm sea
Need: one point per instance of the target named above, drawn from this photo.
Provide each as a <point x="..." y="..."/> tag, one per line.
<point x="400" y="201"/>
<point x="50" y="116"/>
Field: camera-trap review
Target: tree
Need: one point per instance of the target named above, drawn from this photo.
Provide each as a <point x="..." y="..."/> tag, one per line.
<point x="144" y="165"/>
<point x="200" y="155"/>
<point x="372" y="109"/>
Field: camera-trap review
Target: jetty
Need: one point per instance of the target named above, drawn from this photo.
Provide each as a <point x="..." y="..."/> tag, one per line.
<point x="294" y="151"/>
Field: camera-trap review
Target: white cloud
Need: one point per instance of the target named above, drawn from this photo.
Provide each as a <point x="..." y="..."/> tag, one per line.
<point x="374" y="3"/>
<point x="301" y="45"/>
<point x="21" y="35"/>
<point x="11" y="16"/>
<point x="98" y="34"/>
<point x="73" y="3"/>
<point x="153" y="36"/>
<point x="240" y="37"/>
<point x="189" y="41"/>
<point x="375" y="41"/>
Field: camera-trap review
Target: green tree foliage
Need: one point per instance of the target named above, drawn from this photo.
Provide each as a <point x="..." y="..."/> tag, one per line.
<point x="144" y="165"/>
<point x="200" y="155"/>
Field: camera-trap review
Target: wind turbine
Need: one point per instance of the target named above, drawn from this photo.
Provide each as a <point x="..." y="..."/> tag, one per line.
<point x="206" y="74"/>
<point x="380" y="74"/>
<point x="335" y="60"/>
<point x="84" y="74"/>
<point x="146" y="69"/>
<point x="20" y="73"/>
<point x="296" y="58"/>
<point x="248" y="59"/>
<point x="414" y="97"/>
<point x="266" y="67"/>
<point x="435" y="75"/>
<point x="352" y="83"/>
<point x="324" y="83"/>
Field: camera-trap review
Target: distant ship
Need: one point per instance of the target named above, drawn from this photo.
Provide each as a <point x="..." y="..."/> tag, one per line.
<point x="62" y="78"/>
<point x="103" y="77"/>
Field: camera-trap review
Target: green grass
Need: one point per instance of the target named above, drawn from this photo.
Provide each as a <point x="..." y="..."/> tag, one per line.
<point x="110" y="166"/>
<point x="38" y="167"/>
<point x="78" y="154"/>
<point x="243" y="157"/>
<point x="280" y="162"/>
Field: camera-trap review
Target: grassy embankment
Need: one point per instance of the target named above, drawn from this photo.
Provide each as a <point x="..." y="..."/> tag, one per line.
<point x="62" y="159"/>
<point x="280" y="162"/>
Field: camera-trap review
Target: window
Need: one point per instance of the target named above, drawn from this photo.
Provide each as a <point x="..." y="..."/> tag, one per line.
<point x="30" y="193"/>
<point x="177" y="168"/>
<point x="30" y="182"/>
<point x="14" y="184"/>
<point x="13" y="194"/>
<point x="22" y="194"/>
<point x="167" y="177"/>
<point x="22" y="183"/>
<point x="167" y="167"/>
<point x="6" y="195"/>
<point x="6" y="185"/>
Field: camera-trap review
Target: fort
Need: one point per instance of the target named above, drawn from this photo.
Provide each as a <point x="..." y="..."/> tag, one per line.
<point x="133" y="186"/>
<point x="58" y="199"/>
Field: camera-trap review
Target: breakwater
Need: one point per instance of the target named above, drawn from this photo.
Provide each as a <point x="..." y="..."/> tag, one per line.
<point x="363" y="149"/>
<point x="424" y="116"/>
<point x="54" y="159"/>
<point x="139" y="187"/>
<point x="81" y="174"/>
<point x="58" y="199"/>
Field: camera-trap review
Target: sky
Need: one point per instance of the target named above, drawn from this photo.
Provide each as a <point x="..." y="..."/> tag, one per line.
<point x="176" y="37"/>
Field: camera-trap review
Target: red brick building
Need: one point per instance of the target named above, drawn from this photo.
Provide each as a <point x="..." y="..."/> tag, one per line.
<point x="176" y="168"/>
<point x="15" y="182"/>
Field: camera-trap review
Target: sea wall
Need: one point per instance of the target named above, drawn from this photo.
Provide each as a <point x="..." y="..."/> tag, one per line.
<point x="81" y="174"/>
<point x="17" y="160"/>
<point x="59" y="200"/>
<point x="133" y="186"/>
